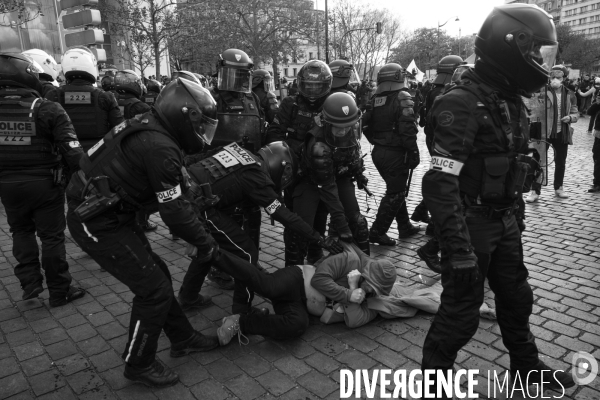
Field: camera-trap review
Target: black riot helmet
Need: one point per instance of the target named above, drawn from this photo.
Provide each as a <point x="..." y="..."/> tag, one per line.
<point x="18" y="70"/>
<point x="188" y="112"/>
<point x="127" y="81"/>
<point x="262" y="76"/>
<point x="234" y="71"/>
<point x="519" y="42"/>
<point x="154" y="86"/>
<point x="344" y="74"/>
<point x="314" y="80"/>
<point x="446" y="68"/>
<point x="185" y="75"/>
<point x="280" y="163"/>
<point x="341" y="116"/>
<point x="390" y="77"/>
<point x="108" y="83"/>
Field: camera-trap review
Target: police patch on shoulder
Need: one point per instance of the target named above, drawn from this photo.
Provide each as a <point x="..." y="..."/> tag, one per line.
<point x="445" y="118"/>
<point x="169" y="194"/>
<point x="379" y="101"/>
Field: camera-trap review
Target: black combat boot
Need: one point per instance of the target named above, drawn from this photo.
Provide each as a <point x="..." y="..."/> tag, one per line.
<point x="388" y="208"/>
<point x="156" y="375"/>
<point x="420" y="214"/>
<point x="429" y="253"/>
<point x="197" y="342"/>
<point x="552" y="379"/>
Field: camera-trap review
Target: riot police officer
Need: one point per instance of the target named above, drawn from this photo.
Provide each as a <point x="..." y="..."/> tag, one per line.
<point x="295" y="118"/>
<point x="480" y="140"/>
<point x="262" y="86"/>
<point x="342" y="133"/>
<point x="139" y="164"/>
<point x="154" y="88"/>
<point x="318" y="173"/>
<point x="235" y="175"/>
<point x="36" y="134"/>
<point x="108" y="85"/>
<point x="93" y="112"/>
<point x="446" y="77"/>
<point x="390" y="126"/>
<point x="128" y="85"/>
<point x="345" y="78"/>
<point x="50" y="68"/>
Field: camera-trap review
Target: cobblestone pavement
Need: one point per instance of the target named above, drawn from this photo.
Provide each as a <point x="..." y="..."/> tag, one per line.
<point x="74" y="351"/>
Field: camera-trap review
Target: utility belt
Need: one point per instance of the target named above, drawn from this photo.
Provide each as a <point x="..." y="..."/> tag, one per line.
<point x="56" y="174"/>
<point x="504" y="177"/>
<point x="489" y="212"/>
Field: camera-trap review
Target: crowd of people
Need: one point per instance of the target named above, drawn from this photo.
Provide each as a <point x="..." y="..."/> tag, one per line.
<point x="209" y="154"/>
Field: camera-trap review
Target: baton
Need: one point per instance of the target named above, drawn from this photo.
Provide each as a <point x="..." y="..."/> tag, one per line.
<point x="408" y="183"/>
<point x="367" y="191"/>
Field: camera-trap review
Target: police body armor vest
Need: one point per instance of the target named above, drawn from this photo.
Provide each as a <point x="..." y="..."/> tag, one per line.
<point x="82" y="105"/>
<point x="107" y="158"/>
<point x="496" y="164"/>
<point x="219" y="170"/>
<point x="383" y="127"/>
<point x="125" y="106"/>
<point x="150" y="98"/>
<point x="227" y="131"/>
<point x="317" y="162"/>
<point x="346" y="160"/>
<point x="302" y="120"/>
<point x="22" y="143"/>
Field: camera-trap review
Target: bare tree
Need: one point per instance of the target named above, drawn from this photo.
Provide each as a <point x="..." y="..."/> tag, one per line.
<point x="20" y="10"/>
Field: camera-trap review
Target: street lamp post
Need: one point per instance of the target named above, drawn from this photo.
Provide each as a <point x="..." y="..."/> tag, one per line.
<point x="438" y="36"/>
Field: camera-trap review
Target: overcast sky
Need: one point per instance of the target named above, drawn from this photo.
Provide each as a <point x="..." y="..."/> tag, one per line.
<point x="427" y="13"/>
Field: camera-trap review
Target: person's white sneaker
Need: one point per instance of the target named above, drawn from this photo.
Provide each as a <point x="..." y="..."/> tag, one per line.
<point x="561" y="193"/>
<point x="533" y="197"/>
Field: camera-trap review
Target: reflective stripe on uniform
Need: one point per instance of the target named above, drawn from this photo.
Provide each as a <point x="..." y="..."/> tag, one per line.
<point x="137" y="327"/>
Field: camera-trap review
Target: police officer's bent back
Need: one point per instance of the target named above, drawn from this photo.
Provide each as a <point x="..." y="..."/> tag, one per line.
<point x="142" y="159"/>
<point x="34" y="135"/>
<point x="475" y="148"/>
<point x="262" y="86"/>
<point x="93" y="111"/>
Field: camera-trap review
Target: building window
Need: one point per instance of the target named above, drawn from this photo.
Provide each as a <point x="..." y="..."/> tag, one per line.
<point x="295" y="71"/>
<point x="285" y="72"/>
<point x="583" y="9"/>
<point x="310" y="55"/>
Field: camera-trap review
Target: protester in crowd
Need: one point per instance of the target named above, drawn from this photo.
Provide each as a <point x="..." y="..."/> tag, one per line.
<point x="561" y="113"/>
<point x="584" y="87"/>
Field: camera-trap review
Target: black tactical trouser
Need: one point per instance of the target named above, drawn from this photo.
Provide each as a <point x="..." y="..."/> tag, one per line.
<point x="291" y="238"/>
<point x="499" y="250"/>
<point x="230" y="237"/>
<point x="357" y="222"/>
<point x="390" y="164"/>
<point x="35" y="205"/>
<point x="284" y="288"/>
<point x="118" y="244"/>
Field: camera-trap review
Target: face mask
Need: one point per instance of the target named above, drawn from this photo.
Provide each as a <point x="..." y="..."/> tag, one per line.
<point x="555" y="83"/>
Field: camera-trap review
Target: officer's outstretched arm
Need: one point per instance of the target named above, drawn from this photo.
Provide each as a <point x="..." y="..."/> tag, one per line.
<point x="163" y="166"/>
<point x="110" y="105"/>
<point x="63" y="132"/>
<point x="278" y="128"/>
<point x="455" y="130"/>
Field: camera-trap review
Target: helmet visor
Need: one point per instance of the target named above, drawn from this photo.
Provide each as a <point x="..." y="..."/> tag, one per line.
<point x="269" y="85"/>
<point x="342" y="137"/>
<point x="314" y="89"/>
<point x="287" y="175"/>
<point x="204" y="126"/>
<point x="539" y="52"/>
<point x="354" y="80"/>
<point x="234" y="79"/>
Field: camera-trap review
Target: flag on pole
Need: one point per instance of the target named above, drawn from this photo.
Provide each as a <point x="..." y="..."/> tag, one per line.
<point x="418" y="74"/>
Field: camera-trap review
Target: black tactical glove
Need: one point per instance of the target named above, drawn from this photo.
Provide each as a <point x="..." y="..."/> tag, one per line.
<point x="464" y="267"/>
<point x="361" y="181"/>
<point x="331" y="244"/>
<point x="346" y="237"/>
<point x="212" y="254"/>
<point x="414" y="159"/>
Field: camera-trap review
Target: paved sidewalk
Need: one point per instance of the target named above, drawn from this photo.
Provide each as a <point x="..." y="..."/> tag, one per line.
<point x="74" y="351"/>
